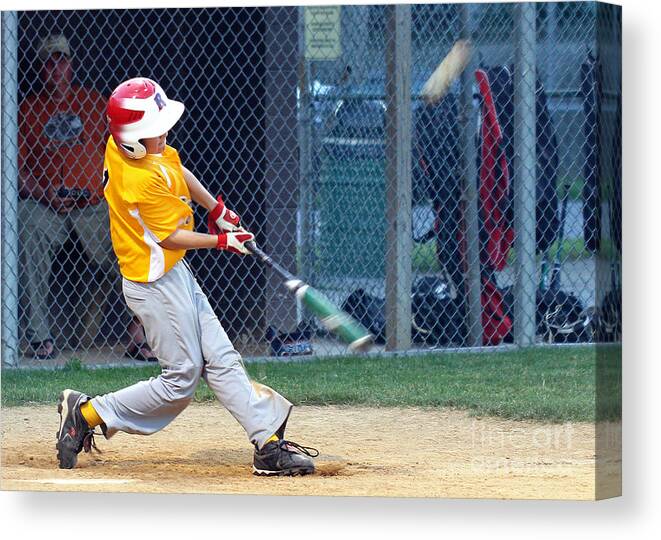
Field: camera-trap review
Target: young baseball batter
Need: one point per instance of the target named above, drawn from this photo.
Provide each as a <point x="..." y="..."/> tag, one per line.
<point x="149" y="195"/>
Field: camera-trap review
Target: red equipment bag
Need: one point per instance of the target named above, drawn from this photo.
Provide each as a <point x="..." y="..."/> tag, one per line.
<point x="496" y="324"/>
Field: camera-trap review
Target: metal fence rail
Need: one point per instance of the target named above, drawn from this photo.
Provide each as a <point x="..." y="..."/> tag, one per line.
<point x="491" y="216"/>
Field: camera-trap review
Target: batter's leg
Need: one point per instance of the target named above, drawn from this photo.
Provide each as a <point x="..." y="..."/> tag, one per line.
<point x="168" y="315"/>
<point x="259" y="409"/>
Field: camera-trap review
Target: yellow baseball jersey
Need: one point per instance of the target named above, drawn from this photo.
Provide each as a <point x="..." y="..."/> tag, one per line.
<point x="148" y="200"/>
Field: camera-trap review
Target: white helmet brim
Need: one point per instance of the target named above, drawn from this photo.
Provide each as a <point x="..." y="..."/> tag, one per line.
<point x="160" y="121"/>
<point x="167" y="118"/>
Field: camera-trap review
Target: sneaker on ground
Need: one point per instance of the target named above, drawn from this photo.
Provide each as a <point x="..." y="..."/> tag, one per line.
<point x="74" y="434"/>
<point x="283" y="458"/>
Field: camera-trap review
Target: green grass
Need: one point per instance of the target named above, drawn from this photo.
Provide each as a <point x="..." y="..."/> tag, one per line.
<point x="555" y="385"/>
<point x="423" y="258"/>
<point x="573" y="249"/>
<point x="575" y="188"/>
<point x="424" y="261"/>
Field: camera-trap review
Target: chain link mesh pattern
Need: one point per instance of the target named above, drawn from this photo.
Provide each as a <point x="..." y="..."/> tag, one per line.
<point x="515" y="212"/>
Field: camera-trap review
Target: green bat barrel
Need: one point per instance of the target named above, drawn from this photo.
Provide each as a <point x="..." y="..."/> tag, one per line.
<point x="334" y="319"/>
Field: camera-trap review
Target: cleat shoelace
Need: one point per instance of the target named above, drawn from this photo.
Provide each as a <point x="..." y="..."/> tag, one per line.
<point x="88" y="442"/>
<point x="295" y="447"/>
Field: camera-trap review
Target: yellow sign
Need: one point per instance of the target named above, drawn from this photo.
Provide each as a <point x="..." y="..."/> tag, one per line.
<point x="322" y="33"/>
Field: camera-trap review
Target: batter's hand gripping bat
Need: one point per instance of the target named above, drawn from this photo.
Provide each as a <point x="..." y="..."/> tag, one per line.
<point x="347" y="329"/>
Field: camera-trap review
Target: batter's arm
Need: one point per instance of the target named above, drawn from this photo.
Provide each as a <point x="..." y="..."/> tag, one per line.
<point x="184" y="239"/>
<point x="229" y="241"/>
<point x="198" y="192"/>
<point x="220" y="218"/>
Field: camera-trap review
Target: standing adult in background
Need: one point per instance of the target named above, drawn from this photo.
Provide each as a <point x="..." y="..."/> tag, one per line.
<point x="62" y="135"/>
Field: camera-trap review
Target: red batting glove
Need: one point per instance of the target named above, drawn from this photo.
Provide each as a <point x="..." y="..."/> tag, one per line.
<point x="222" y="219"/>
<point x="235" y="241"/>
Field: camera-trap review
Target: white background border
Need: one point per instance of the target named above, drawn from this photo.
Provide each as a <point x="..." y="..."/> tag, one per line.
<point x="73" y="516"/>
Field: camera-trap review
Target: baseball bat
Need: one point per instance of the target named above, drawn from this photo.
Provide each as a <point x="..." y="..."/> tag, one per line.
<point x="334" y="319"/>
<point x="554" y="279"/>
<point x="447" y="72"/>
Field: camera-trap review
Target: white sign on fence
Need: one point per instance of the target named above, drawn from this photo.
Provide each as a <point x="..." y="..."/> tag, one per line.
<point x="322" y="33"/>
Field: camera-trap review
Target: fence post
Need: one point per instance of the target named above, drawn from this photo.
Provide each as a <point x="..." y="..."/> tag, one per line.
<point x="525" y="173"/>
<point x="9" y="219"/>
<point x="470" y="195"/>
<point x="550" y="56"/>
<point x="282" y="159"/>
<point x="304" y="149"/>
<point x="398" y="177"/>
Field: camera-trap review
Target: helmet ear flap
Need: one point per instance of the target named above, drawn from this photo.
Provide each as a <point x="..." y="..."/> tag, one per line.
<point x="134" y="150"/>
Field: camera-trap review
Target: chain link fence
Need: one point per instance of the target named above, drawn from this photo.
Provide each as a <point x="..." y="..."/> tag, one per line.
<point x="490" y="217"/>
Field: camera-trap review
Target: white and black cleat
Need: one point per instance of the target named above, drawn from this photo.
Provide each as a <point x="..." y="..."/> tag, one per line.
<point x="284" y="458"/>
<point x="74" y="434"/>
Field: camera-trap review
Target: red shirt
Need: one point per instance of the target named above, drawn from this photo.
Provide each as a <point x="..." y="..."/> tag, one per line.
<point x="62" y="144"/>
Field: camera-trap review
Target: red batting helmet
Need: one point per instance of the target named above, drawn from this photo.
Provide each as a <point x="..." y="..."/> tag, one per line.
<point x="139" y="109"/>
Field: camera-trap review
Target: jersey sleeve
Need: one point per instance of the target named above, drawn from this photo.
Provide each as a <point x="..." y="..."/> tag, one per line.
<point x="160" y="211"/>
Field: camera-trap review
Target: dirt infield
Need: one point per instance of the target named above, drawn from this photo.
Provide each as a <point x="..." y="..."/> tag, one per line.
<point x="364" y="451"/>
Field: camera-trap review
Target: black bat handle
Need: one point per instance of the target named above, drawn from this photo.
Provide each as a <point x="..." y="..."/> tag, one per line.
<point x="252" y="247"/>
<point x="267" y="260"/>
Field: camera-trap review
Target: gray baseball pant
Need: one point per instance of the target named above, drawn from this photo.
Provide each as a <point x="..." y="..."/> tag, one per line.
<point x="189" y="342"/>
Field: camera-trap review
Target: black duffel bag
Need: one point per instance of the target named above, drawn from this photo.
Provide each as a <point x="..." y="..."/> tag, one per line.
<point x="370" y="311"/>
<point x="435" y="309"/>
<point x="436" y="312"/>
<point x="560" y="316"/>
